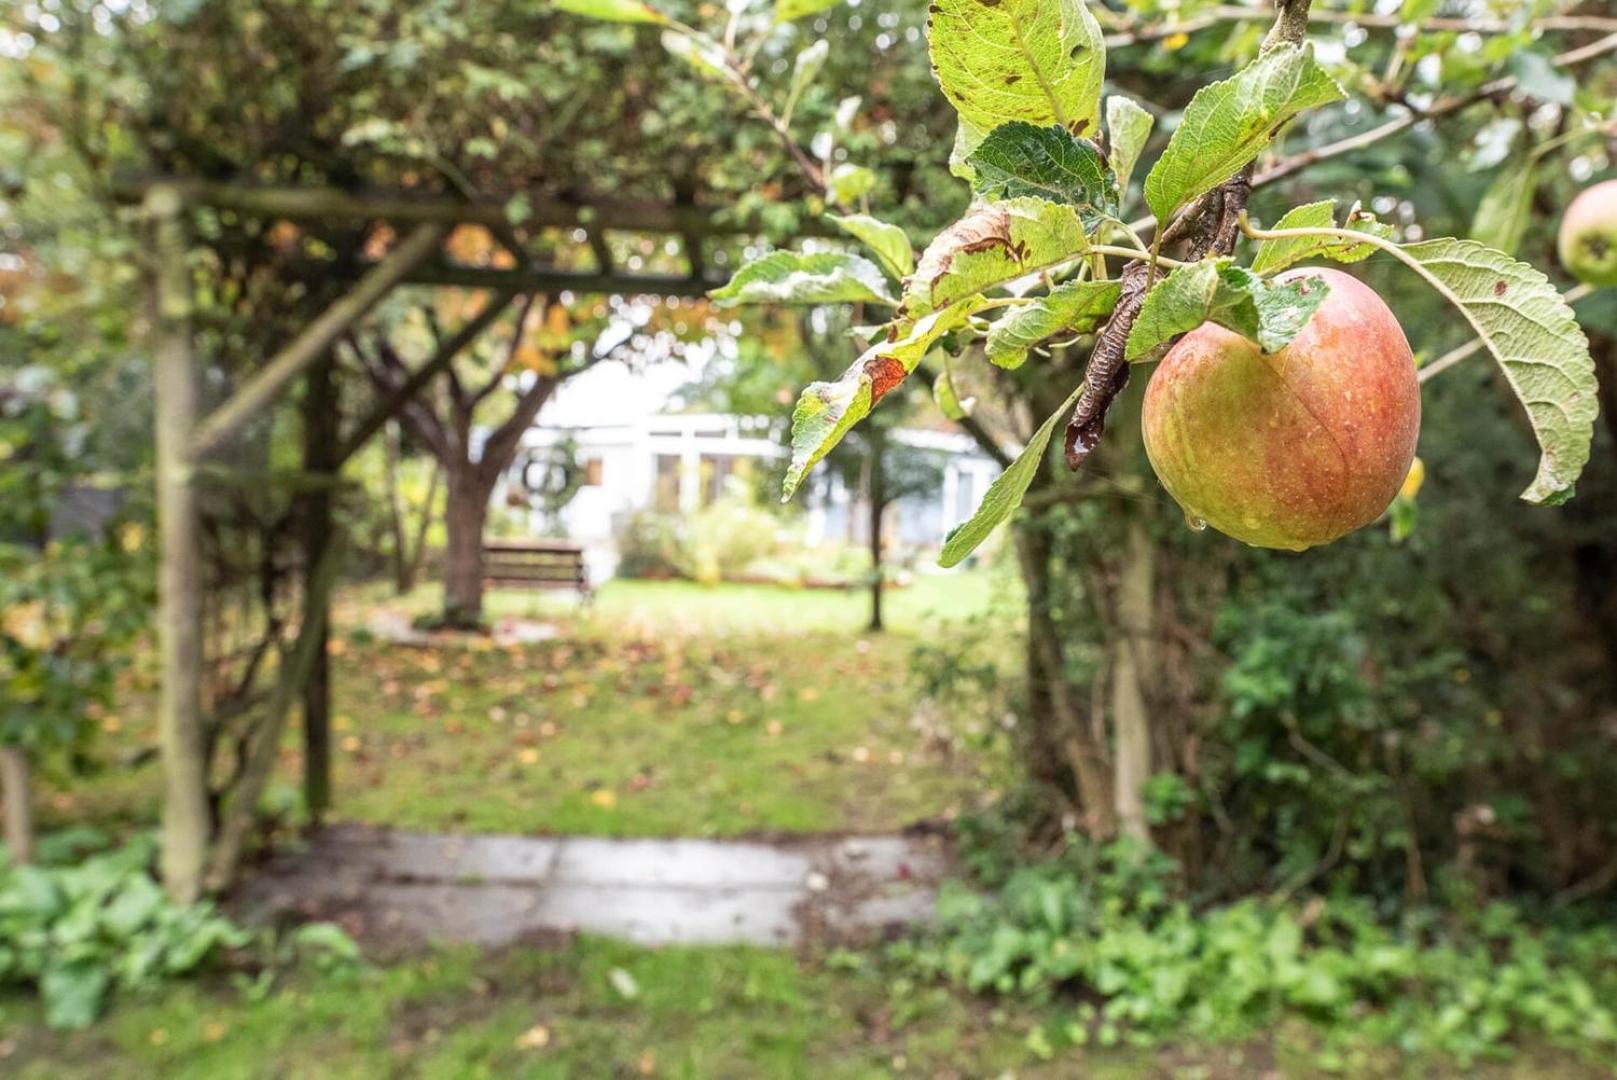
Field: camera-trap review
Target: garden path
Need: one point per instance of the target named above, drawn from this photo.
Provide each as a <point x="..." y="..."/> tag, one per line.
<point x="404" y="887"/>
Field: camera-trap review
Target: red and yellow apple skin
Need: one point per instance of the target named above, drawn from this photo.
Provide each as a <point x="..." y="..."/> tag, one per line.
<point x="1587" y="242"/>
<point x="1297" y="448"/>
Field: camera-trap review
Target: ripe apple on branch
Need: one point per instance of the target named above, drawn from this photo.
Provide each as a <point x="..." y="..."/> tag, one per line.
<point x="1285" y="409"/>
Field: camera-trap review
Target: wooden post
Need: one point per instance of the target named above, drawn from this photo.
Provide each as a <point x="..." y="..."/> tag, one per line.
<point x="19" y="808"/>
<point x="319" y="460"/>
<point x="185" y="791"/>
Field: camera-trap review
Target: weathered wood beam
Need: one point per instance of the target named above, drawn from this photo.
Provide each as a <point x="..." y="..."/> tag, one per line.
<point x="180" y="729"/>
<point x="292" y="203"/>
<point x="314" y="340"/>
<point x="539" y="279"/>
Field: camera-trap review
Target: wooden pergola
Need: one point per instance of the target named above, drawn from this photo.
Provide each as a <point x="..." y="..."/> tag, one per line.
<point x="202" y="848"/>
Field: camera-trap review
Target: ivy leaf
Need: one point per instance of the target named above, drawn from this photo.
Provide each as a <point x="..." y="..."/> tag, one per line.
<point x="623" y="11"/>
<point x="1021" y="159"/>
<point x="788" y="10"/>
<point x="993" y="244"/>
<point x="1269" y="313"/>
<point x="1075" y="307"/>
<point x="1228" y="123"/>
<point x="889" y="243"/>
<point x="1128" y="126"/>
<point x="1004" y="495"/>
<point x="791" y="277"/>
<point x="1502" y="215"/>
<point x="1275" y="255"/>
<point x="827" y="410"/>
<point x="1531" y="331"/>
<point x="1041" y="61"/>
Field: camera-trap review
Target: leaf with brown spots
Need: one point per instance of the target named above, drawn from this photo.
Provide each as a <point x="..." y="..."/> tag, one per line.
<point x="1042" y="61"/>
<point x="993" y="245"/>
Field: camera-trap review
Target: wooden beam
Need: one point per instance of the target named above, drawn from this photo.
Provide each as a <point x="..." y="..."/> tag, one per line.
<point x="292" y="203"/>
<point x="389" y="406"/>
<point x="186" y="824"/>
<point x="314" y="340"/>
<point x="540" y="279"/>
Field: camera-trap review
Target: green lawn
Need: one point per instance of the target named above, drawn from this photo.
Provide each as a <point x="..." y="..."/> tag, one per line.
<point x="569" y="1011"/>
<point x="663" y="709"/>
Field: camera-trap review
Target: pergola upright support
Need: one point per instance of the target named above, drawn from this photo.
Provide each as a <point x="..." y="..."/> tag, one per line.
<point x="180" y="729"/>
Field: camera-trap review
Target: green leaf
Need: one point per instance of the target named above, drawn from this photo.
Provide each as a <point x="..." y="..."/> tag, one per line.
<point x="1004" y="495"/>
<point x="948" y="401"/>
<point x="1074" y="307"/>
<point x="1274" y="255"/>
<point x="1019" y="158"/>
<point x="1530" y="329"/>
<point x="791" y="277"/>
<point x="804" y="71"/>
<point x="623" y="11"/>
<point x="850" y="183"/>
<point x="73" y="993"/>
<point x="1502" y="215"/>
<point x="787" y="10"/>
<point x="889" y="243"/>
<point x="702" y="53"/>
<point x="1269" y="313"/>
<point x="1042" y="61"/>
<point x="827" y="410"/>
<point x="993" y="244"/>
<point x="1227" y="124"/>
<point x="1128" y="126"/>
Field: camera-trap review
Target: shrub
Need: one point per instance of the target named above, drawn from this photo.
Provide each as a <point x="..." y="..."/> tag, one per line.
<point x="80" y="928"/>
<point x="1099" y="934"/>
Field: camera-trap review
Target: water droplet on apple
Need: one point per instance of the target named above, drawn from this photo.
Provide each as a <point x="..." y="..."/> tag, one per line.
<point x="1194" y="523"/>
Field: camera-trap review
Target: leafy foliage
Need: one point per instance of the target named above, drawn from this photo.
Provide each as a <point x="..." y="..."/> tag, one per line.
<point x="1071" y="307"/>
<point x="1004" y="494"/>
<point x="1228" y="123"/>
<point x="80" y="931"/>
<point x="1106" y="923"/>
<point x="887" y="242"/>
<point x="1272" y="256"/>
<point x="1029" y="60"/>
<point x="1532" y="332"/>
<point x="1128" y="126"/>
<point x="1019" y="159"/>
<point x="1235" y="298"/>
<point x="790" y="277"/>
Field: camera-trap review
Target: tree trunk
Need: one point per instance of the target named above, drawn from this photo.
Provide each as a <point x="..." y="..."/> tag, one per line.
<point x="410" y="566"/>
<point x="402" y="577"/>
<point x="1058" y="747"/>
<point x="1131" y="722"/>
<point x="876" y="489"/>
<point x="464" y="517"/>
<point x="19" y="807"/>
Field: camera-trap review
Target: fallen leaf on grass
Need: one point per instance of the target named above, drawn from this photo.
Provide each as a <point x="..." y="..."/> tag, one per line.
<point x="535" y="1038"/>
<point x="605" y="798"/>
<point x="624" y="984"/>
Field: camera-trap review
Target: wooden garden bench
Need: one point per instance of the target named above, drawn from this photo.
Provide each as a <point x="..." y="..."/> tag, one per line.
<point x="535" y="564"/>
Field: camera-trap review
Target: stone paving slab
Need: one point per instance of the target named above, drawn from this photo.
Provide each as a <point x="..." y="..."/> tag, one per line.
<point x="493" y="890"/>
